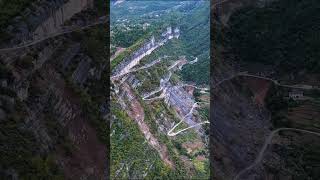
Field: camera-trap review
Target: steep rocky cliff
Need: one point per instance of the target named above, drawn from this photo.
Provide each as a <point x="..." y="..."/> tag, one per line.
<point x="42" y="18"/>
<point x="60" y="15"/>
<point x="159" y="124"/>
<point x="54" y="94"/>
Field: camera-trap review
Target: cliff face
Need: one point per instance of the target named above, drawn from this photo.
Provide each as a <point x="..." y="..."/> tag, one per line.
<point x="254" y="129"/>
<point x="43" y="18"/>
<point x="48" y="87"/>
<point x="53" y="23"/>
<point x="146" y="49"/>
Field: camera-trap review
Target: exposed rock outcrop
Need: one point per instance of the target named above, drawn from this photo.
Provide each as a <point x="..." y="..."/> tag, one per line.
<point x="80" y="75"/>
<point x="44" y="18"/>
<point x="146" y="49"/>
<point x="59" y="16"/>
<point x="41" y="87"/>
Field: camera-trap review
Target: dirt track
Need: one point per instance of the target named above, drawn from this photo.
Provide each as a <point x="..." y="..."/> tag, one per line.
<point x="265" y="145"/>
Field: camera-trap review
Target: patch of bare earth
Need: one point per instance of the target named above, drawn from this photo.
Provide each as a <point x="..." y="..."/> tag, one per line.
<point x="192" y="146"/>
<point x="119" y="50"/>
<point x="136" y="112"/>
<point x="201" y="158"/>
<point x="259" y="87"/>
<point x="88" y="158"/>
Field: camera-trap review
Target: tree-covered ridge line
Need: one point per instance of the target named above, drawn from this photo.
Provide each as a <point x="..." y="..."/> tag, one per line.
<point x="284" y="34"/>
<point x="191" y="27"/>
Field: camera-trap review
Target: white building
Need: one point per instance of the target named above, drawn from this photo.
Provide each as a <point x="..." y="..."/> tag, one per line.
<point x="296" y="95"/>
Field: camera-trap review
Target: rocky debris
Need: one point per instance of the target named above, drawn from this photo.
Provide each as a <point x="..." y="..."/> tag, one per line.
<point x="22" y="28"/>
<point x="45" y="54"/>
<point x="54" y="22"/>
<point x="136" y="112"/>
<point x="34" y="123"/>
<point x="182" y="102"/>
<point x="43" y="18"/>
<point x="190" y="89"/>
<point x="80" y="75"/>
<point x="192" y="147"/>
<point x="63" y="109"/>
<point x="69" y="54"/>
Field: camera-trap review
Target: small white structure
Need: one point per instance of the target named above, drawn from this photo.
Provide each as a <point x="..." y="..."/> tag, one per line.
<point x="153" y="41"/>
<point x="296" y="95"/>
<point x="169" y="30"/>
<point x="145" y="25"/>
<point x="176" y="32"/>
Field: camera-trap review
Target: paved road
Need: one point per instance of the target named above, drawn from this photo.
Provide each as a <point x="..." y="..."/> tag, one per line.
<point x="162" y="95"/>
<point x="152" y="93"/>
<point x="296" y="86"/>
<point x="228" y="79"/>
<point x="265" y="145"/>
<point x="180" y="131"/>
<point x="276" y="82"/>
<point x="202" y="89"/>
<point x="182" y="120"/>
<point x="161" y="88"/>
<point x="62" y="32"/>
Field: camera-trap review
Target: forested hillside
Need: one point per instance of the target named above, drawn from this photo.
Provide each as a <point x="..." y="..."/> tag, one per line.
<point x="285" y="34"/>
<point x="142" y="145"/>
<point x="196" y="36"/>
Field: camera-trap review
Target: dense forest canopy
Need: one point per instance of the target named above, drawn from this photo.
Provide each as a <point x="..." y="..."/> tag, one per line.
<point x="285" y="34"/>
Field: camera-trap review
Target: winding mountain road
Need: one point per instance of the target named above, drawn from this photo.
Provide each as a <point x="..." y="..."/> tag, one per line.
<point x="162" y="96"/>
<point x="276" y="82"/>
<point x="149" y="65"/>
<point x="196" y="87"/>
<point x="189" y="113"/>
<point x="265" y="145"/>
<point x="102" y="20"/>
